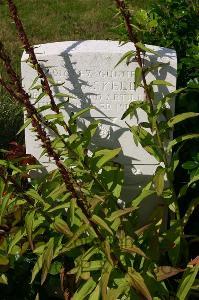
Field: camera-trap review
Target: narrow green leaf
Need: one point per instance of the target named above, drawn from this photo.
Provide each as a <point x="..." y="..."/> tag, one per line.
<point x="80" y="113"/>
<point x="37" y="296"/>
<point x="181" y="117"/>
<point x="145" y="49"/>
<point x="58" y="191"/>
<point x="34" y="167"/>
<point x="62" y="227"/>
<point x="90" y="252"/>
<point x="43" y="94"/>
<point x="106" y="272"/>
<point x="173" y="242"/>
<point x="192" y="206"/>
<point x="90" y="266"/>
<point x="134" y="250"/>
<point x="190" y="165"/>
<point x="17" y="237"/>
<point x="53" y="82"/>
<point x="126" y="56"/>
<point x="34" y="81"/>
<point x="142" y="229"/>
<point x="143" y="136"/>
<point x="130" y="111"/>
<point x="37" y="87"/>
<point x="85" y="290"/>
<point x="35" y="195"/>
<point x="90" y="132"/>
<point x="146" y="140"/>
<point x="29" y="218"/>
<point x="97" y="220"/>
<point x="28" y="121"/>
<point x="84" y="219"/>
<point x="37" y="267"/>
<point x="169" y="97"/>
<point x="54" y="116"/>
<point x="114" y="294"/>
<point x="40" y="249"/>
<point x="155" y="67"/>
<point x="3" y="205"/>
<point x="47" y="259"/>
<point x="187" y="282"/>
<point x="119" y="213"/>
<point x="43" y="108"/>
<point x="138" y="77"/>
<point x="164" y="272"/>
<point x="181" y="139"/>
<point x="2" y="187"/>
<point x="194" y="177"/>
<point x="77" y="243"/>
<point x="58" y="207"/>
<point x="136" y="27"/>
<point x="95" y="295"/>
<point x="76" y="235"/>
<point x="133" y="106"/>
<point x="175" y="160"/>
<point x="160" y="82"/>
<point x="115" y="225"/>
<point x="144" y="194"/>
<point x="63" y="95"/>
<point x="103" y="156"/>
<point x="72" y="211"/>
<point x="137" y="282"/>
<point x="107" y="250"/>
<point x="158" y="180"/>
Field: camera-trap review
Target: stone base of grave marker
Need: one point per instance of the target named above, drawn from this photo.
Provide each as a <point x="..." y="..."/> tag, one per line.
<point x="87" y="69"/>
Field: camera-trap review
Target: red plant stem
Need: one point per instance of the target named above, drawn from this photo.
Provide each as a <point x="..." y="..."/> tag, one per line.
<point x="16" y="82"/>
<point x="9" y="89"/>
<point x="133" y="38"/>
<point x="30" y="50"/>
<point x="20" y="95"/>
<point x="24" y="98"/>
<point x="70" y="183"/>
<point x="127" y="18"/>
<point x="33" y="59"/>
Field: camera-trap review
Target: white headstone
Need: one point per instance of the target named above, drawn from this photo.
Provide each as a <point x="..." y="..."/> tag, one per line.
<point x="88" y="71"/>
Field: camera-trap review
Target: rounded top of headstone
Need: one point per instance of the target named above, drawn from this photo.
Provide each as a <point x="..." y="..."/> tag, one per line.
<point x="103" y="46"/>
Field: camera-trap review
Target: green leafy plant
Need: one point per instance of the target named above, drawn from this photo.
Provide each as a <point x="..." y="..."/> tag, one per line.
<point x="192" y="166"/>
<point x="68" y="224"/>
<point x="174" y="24"/>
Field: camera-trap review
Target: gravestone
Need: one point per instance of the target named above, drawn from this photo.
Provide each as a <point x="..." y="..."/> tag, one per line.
<point x="88" y="71"/>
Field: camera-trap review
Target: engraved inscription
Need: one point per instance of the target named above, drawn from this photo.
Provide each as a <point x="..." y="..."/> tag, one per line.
<point x="108" y="90"/>
<point x="63" y="73"/>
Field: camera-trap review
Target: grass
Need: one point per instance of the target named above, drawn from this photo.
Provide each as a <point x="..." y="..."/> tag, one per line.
<point x="50" y="21"/>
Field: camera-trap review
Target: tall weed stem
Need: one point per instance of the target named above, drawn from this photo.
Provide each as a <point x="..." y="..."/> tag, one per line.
<point x="125" y="13"/>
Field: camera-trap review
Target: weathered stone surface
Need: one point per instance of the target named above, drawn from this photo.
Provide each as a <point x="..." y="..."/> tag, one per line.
<point x="88" y="71"/>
